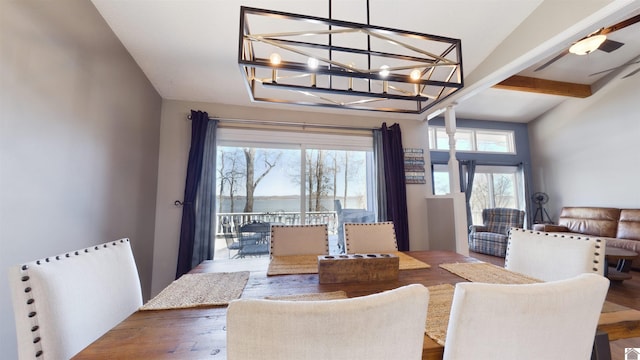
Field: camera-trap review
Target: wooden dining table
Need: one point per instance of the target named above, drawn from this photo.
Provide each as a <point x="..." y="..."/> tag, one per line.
<point x="199" y="333"/>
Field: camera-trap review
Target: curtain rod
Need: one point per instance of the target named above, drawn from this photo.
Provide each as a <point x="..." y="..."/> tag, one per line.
<point x="284" y="123"/>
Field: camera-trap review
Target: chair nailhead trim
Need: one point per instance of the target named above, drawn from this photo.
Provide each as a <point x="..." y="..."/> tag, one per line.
<point x="32" y="314"/>
<point x="597" y="240"/>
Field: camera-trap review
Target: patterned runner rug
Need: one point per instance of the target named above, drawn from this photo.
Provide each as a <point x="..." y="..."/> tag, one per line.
<point x="440" y="298"/>
<point x="298" y="264"/>
<point x="199" y="290"/>
<point x="333" y="295"/>
<point x="488" y="273"/>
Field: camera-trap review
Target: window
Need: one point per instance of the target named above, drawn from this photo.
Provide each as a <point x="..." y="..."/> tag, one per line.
<point x="290" y="178"/>
<point x="441" y="179"/>
<point x="493" y="186"/>
<point x="473" y="140"/>
<point x="496" y="186"/>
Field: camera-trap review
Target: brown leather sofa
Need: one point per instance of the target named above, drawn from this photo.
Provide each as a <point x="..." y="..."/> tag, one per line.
<point x="620" y="227"/>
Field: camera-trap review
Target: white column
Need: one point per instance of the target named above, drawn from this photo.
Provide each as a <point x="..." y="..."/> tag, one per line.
<point x="454" y="169"/>
<point x="459" y="202"/>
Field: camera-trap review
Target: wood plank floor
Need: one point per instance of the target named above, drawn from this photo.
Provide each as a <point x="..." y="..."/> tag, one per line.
<point x="625" y="293"/>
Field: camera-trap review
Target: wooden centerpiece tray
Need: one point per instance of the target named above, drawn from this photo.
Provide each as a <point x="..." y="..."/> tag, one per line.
<point x="357" y="268"/>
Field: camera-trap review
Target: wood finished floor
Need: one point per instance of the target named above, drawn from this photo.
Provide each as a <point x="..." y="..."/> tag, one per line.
<point x="625" y="293"/>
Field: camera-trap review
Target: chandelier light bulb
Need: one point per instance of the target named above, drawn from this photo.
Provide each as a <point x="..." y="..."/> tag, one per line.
<point x="275" y="59"/>
<point x="312" y="63"/>
<point x="384" y="70"/>
<point x="415" y="74"/>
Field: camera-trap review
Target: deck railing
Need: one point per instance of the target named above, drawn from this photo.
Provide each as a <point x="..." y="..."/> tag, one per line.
<point x="230" y="222"/>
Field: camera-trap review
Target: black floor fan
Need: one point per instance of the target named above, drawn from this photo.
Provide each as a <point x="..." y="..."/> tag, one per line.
<point x="540" y="199"/>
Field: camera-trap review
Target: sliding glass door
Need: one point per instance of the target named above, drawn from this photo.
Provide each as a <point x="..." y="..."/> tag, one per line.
<point x="284" y="178"/>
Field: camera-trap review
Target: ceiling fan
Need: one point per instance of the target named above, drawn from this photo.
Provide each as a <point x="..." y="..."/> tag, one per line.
<point x="594" y="41"/>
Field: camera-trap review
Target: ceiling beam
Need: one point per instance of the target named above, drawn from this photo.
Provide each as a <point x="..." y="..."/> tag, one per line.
<point x="542" y="86"/>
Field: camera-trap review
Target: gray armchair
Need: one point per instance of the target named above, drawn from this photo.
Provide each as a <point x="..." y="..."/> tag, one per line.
<point x="491" y="237"/>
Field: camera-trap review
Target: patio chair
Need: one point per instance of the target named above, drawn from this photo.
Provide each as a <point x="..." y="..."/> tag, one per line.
<point x="232" y="243"/>
<point x="63" y="303"/>
<point x="350" y="216"/>
<point x="491" y="237"/>
<point x="299" y="240"/>
<point x="387" y="325"/>
<point x="254" y="239"/>
<point x="553" y="320"/>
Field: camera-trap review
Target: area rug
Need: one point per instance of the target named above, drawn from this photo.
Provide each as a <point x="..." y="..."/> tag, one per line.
<point x="333" y="295"/>
<point x="200" y="290"/>
<point x="488" y="273"/>
<point x="440" y="299"/>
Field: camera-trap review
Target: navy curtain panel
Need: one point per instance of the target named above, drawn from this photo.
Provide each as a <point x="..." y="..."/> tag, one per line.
<point x="396" y="190"/>
<point x="199" y="123"/>
<point x="467" y="173"/>
<point x="204" y="239"/>
<point x="380" y="184"/>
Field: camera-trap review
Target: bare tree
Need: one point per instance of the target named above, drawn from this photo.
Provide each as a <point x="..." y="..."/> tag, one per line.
<point x="230" y="172"/>
<point x="268" y="161"/>
<point x="346" y="176"/>
<point x="318" y="182"/>
<point x="491" y="191"/>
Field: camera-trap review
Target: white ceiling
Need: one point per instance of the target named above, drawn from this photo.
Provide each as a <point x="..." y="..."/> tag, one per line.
<point x="188" y="48"/>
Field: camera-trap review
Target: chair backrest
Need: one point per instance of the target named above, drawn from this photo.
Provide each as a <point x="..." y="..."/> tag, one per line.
<point x="387" y="325"/>
<point x="554" y="320"/>
<point x="65" y="302"/>
<point x="500" y="220"/>
<point x="299" y="240"/>
<point x="370" y="238"/>
<point x="551" y="257"/>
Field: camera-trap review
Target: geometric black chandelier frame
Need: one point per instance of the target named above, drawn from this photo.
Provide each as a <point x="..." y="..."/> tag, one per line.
<point x="306" y="60"/>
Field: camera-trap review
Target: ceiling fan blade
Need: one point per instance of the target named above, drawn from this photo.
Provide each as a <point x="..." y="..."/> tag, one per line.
<point x="631" y="73"/>
<point x="543" y="66"/>
<point x="621" y="25"/>
<point x="613" y="68"/>
<point x="610" y="45"/>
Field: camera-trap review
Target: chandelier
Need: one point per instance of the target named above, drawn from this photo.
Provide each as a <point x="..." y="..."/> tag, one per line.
<point x="306" y="60"/>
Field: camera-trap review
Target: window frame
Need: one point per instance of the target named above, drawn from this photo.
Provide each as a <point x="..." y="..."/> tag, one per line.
<point x="434" y="131"/>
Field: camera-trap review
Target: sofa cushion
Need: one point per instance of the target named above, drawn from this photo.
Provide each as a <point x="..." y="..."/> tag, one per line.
<point x="594" y="221"/>
<point x="629" y="225"/>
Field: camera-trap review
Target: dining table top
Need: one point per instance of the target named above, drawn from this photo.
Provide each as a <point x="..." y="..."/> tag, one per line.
<point x="199" y="333"/>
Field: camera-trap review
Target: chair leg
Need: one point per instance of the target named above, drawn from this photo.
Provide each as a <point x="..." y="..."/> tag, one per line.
<point x="601" y="349"/>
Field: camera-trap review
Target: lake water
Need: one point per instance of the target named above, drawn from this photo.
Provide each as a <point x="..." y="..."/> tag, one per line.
<point x="285" y="204"/>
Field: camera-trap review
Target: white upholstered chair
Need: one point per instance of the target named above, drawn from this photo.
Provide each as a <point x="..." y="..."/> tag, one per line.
<point x="553" y="320"/>
<point x="377" y="237"/>
<point x="63" y="303"/>
<point x="299" y="240"/>
<point x="387" y="325"/>
<point x="549" y="257"/>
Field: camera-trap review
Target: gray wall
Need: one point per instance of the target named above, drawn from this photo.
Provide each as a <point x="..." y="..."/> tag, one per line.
<point x="586" y="152"/>
<point x="79" y="139"/>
